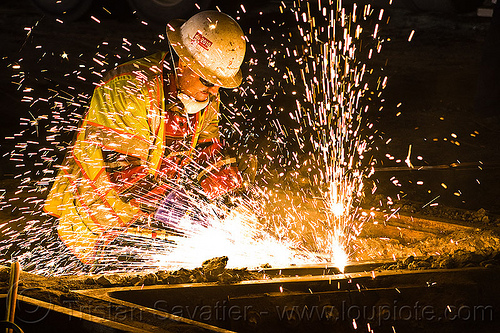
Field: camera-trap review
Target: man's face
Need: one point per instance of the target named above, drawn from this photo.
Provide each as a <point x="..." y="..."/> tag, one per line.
<point x="189" y="83"/>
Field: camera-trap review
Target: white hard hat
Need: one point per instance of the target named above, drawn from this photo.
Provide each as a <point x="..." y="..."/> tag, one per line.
<point x="212" y="44"/>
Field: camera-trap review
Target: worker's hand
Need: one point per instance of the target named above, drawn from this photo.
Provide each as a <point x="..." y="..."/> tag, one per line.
<point x="220" y="182"/>
<point x="137" y="189"/>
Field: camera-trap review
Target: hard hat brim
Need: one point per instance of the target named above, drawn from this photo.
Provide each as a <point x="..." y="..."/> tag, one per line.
<point x="175" y="39"/>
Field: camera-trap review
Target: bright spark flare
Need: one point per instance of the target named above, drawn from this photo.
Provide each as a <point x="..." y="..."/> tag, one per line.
<point x="336" y="85"/>
<point x="241" y="236"/>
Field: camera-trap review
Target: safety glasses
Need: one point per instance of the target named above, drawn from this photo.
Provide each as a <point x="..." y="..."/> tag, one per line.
<point x="206" y="83"/>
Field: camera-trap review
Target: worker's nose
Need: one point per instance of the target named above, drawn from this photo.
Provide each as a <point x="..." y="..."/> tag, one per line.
<point x="213" y="90"/>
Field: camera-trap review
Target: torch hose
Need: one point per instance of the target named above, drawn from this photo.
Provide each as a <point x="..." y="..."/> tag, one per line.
<point x="15" y="271"/>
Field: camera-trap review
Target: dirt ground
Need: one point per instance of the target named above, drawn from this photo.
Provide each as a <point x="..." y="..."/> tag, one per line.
<point x="428" y="108"/>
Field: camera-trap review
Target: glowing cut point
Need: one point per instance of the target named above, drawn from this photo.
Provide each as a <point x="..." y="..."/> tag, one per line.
<point x="339" y="256"/>
<point x="336" y="208"/>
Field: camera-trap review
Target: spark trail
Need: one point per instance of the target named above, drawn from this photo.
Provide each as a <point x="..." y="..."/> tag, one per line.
<point x="335" y="74"/>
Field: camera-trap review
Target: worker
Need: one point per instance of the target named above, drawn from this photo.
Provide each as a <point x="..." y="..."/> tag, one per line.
<point x="151" y="128"/>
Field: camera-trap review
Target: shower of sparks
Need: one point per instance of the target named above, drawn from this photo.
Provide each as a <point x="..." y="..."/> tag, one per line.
<point x="320" y="140"/>
<point x="338" y="41"/>
<point x="237" y="235"/>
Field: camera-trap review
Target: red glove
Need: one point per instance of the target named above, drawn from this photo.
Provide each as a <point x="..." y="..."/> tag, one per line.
<point x="222" y="181"/>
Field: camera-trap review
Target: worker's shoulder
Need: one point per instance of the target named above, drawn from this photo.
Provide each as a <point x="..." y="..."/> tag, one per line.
<point x="142" y="69"/>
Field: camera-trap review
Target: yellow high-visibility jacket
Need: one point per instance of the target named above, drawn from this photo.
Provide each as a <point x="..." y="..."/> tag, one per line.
<point x="126" y="115"/>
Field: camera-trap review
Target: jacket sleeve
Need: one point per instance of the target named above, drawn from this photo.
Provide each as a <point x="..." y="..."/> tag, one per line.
<point x="219" y="174"/>
<point x="114" y="143"/>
